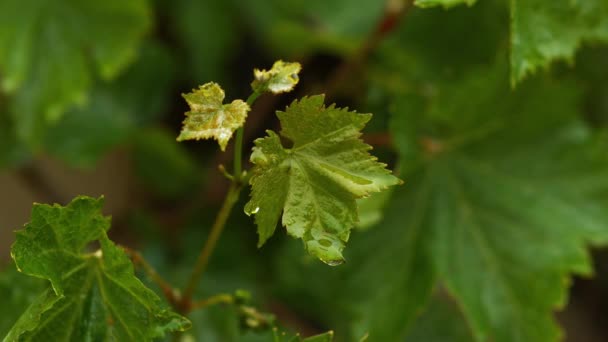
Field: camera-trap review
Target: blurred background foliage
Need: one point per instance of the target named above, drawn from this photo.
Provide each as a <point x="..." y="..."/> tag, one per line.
<point x="90" y="104"/>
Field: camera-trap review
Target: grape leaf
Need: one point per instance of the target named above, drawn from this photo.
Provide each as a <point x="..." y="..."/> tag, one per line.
<point x="282" y="337"/>
<point x="485" y="161"/>
<point x="210" y="118"/>
<point x="208" y="56"/>
<point x="440" y="322"/>
<point x="539" y="35"/>
<point x="92" y="295"/>
<point x="296" y="28"/>
<point x="17" y="292"/>
<point x="282" y="78"/>
<point x="316" y="182"/>
<point x="46" y="51"/>
<point x="116" y="110"/>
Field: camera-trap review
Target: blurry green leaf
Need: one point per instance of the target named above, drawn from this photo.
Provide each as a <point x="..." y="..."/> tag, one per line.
<point x="294" y="28"/>
<point x="12" y="151"/>
<point x="371" y="209"/>
<point x="17" y="292"/>
<point x="162" y="165"/>
<point x="540" y="33"/>
<point x="47" y="49"/>
<point x="208" y="56"/>
<point x="116" y="110"/>
<point x="315" y="183"/>
<point x="325" y="337"/>
<point x="209" y="117"/>
<point x="93" y="292"/>
<point x="434" y="44"/>
<point x="444" y="3"/>
<point x="282" y="78"/>
<point x="440" y="322"/>
<point x="515" y="202"/>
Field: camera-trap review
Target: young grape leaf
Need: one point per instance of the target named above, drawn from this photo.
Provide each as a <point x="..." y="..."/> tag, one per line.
<point x="507" y="264"/>
<point x="46" y="52"/>
<point x="210" y="118"/>
<point x="282" y="78"/>
<point x="316" y="182"/>
<point x="92" y="295"/>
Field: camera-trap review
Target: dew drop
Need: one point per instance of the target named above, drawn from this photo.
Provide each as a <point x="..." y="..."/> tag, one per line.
<point x="336" y="262"/>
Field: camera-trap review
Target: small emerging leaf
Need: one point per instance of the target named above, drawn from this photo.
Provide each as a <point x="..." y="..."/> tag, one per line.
<point x="282" y="78"/>
<point x="92" y="295"/>
<point x="314" y="184"/>
<point x="210" y="118"/>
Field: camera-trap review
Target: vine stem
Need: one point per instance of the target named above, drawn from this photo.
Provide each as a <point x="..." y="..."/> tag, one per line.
<point x="222" y="298"/>
<point x="203" y="259"/>
<point x="238" y="142"/>
<point x="230" y="200"/>
<point x="168" y="290"/>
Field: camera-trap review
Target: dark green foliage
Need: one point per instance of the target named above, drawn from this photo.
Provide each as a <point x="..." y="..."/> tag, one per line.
<point x="493" y="113"/>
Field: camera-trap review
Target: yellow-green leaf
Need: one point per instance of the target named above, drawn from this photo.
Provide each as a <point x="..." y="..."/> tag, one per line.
<point x="210" y="118"/>
<point x="282" y="78"/>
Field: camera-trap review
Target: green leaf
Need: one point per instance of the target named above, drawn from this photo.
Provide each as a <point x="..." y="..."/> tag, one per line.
<point x="281" y="337"/>
<point x="371" y="209"/>
<point x="316" y="182"/>
<point x="296" y="28"/>
<point x="540" y="35"/>
<point x="282" y="78"/>
<point x="46" y="52"/>
<point x="93" y="294"/>
<point x="210" y="118"/>
<point x="116" y="111"/>
<point x="516" y="200"/>
<point x="12" y="151"/>
<point x="17" y="292"/>
<point x="208" y="56"/>
<point x="440" y="322"/>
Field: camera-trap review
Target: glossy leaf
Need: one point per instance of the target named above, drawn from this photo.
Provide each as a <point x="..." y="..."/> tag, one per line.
<point x="282" y="78"/>
<point x="92" y="294"/>
<point x="210" y="118"/>
<point x="315" y="183"/>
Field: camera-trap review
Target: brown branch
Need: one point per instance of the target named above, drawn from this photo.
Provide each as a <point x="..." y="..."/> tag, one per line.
<point x="169" y="291"/>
